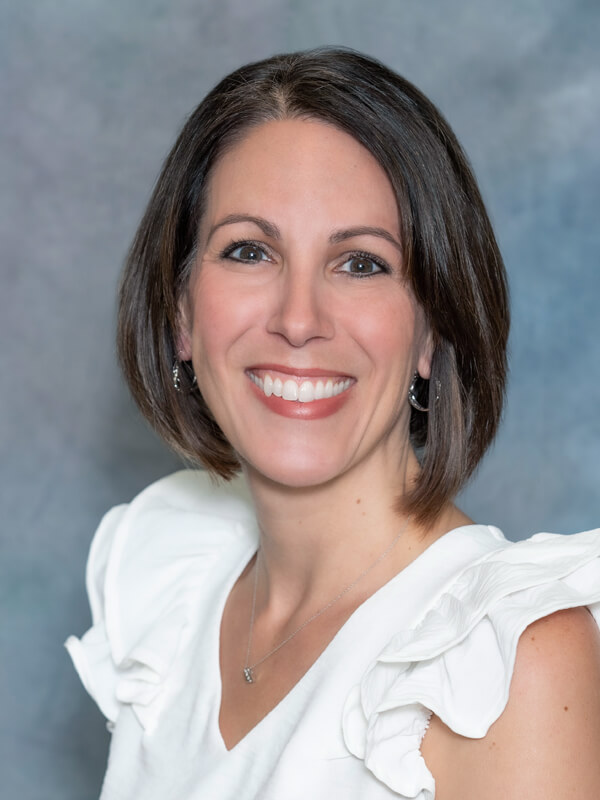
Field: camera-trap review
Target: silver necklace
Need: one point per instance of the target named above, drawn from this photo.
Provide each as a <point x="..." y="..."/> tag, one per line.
<point x="248" y="670"/>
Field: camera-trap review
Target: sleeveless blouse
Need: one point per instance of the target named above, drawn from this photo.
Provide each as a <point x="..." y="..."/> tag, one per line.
<point x="440" y="636"/>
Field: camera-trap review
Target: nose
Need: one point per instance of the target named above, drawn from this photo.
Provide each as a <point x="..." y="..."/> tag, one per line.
<point x="301" y="310"/>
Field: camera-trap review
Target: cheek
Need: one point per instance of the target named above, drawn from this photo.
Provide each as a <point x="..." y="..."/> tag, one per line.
<point x="387" y="330"/>
<point x="221" y="314"/>
<point x="208" y="319"/>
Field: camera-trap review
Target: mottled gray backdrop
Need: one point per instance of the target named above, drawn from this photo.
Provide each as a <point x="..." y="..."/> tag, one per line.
<point x="92" y="94"/>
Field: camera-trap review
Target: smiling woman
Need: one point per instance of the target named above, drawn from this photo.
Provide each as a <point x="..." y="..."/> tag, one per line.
<point x="448" y="252"/>
<point x="315" y="299"/>
<point x="313" y="269"/>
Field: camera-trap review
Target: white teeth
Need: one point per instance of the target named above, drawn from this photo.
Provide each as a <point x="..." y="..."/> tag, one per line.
<point x="305" y="392"/>
<point x="290" y="390"/>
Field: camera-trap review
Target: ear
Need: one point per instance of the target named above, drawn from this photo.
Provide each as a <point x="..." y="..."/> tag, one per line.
<point x="183" y="334"/>
<point x="426" y="348"/>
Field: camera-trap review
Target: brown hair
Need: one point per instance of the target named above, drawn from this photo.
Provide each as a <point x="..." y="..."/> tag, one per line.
<point x="451" y="258"/>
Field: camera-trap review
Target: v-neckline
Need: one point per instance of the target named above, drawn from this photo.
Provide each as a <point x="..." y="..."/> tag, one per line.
<point x="215" y="650"/>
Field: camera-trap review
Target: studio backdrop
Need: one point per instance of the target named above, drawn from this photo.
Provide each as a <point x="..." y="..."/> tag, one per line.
<point x="93" y="93"/>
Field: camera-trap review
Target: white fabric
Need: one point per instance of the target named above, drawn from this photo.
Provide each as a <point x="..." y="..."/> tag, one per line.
<point x="440" y="636"/>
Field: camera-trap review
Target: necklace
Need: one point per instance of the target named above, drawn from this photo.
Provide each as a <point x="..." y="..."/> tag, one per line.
<point x="249" y="668"/>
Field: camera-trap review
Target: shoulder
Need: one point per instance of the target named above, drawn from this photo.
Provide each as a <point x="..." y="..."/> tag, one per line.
<point x="196" y="491"/>
<point x="154" y="568"/>
<point x="188" y="503"/>
<point x="185" y="521"/>
<point x="504" y="638"/>
<point x="546" y="741"/>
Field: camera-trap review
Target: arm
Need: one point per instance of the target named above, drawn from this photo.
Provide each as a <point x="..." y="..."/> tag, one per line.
<point x="546" y="743"/>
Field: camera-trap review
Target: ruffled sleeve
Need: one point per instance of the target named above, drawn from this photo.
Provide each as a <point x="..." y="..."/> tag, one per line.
<point x="147" y="565"/>
<point x="457" y="662"/>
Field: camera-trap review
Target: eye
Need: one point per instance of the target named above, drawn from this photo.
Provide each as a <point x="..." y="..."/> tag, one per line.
<point x="363" y="265"/>
<point x="246" y="252"/>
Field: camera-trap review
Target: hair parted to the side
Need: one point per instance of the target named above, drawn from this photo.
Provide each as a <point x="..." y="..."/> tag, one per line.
<point x="450" y="256"/>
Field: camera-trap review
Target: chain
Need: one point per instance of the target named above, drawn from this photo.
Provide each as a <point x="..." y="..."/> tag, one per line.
<point x="249" y="668"/>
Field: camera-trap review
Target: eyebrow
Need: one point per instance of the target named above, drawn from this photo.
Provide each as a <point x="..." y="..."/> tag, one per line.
<point x="364" y="230"/>
<point x="266" y="227"/>
<point x="271" y="230"/>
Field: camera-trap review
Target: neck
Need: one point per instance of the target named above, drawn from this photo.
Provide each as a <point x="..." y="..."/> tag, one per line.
<point x="316" y="540"/>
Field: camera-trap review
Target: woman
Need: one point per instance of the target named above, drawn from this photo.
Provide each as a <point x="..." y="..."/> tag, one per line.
<point x="315" y="298"/>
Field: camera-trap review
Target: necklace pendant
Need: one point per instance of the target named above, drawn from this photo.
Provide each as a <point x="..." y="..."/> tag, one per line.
<point x="248" y="675"/>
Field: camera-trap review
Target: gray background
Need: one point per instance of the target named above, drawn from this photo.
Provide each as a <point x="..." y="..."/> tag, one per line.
<point x="92" y="94"/>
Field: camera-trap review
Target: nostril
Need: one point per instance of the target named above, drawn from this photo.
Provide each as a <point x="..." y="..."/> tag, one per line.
<point x="301" y="316"/>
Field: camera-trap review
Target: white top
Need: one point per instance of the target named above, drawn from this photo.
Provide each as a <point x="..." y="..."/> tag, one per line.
<point x="440" y="636"/>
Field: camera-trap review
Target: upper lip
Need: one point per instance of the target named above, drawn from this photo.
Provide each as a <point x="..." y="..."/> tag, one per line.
<point x="298" y="372"/>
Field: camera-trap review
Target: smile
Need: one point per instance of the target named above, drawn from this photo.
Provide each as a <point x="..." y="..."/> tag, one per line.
<point x="298" y="390"/>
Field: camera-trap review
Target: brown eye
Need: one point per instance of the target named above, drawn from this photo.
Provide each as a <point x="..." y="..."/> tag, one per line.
<point x="247" y="252"/>
<point x="362" y="266"/>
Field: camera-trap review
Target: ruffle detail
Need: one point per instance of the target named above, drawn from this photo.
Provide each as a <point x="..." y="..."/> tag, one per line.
<point x="145" y="572"/>
<point x="457" y="662"/>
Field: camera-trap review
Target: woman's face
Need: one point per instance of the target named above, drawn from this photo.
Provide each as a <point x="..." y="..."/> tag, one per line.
<point x="302" y="333"/>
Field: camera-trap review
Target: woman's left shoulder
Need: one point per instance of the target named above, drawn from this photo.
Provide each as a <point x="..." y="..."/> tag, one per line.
<point x="546" y="741"/>
<point x="468" y="666"/>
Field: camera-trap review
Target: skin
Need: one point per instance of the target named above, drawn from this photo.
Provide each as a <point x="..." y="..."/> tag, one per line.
<point x="279" y="285"/>
<point x="546" y="743"/>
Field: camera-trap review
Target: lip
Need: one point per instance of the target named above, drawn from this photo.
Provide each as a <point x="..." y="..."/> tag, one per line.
<point x="313" y="410"/>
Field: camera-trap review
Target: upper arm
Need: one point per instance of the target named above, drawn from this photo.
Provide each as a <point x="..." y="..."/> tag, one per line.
<point x="546" y="743"/>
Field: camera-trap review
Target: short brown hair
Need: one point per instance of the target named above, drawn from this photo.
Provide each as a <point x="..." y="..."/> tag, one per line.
<point x="450" y="254"/>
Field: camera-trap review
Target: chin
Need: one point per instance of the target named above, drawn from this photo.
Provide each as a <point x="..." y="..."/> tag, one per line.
<point x="297" y="472"/>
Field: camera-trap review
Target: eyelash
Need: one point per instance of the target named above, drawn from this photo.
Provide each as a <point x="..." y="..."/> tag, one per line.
<point x="230" y="249"/>
<point x="383" y="267"/>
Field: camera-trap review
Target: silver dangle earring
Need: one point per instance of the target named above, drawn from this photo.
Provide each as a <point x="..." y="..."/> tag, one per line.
<point x="412" y="396"/>
<point x="176" y="372"/>
<point x="176" y="377"/>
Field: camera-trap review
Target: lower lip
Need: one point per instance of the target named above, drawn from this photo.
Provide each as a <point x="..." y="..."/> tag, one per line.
<point x="317" y="409"/>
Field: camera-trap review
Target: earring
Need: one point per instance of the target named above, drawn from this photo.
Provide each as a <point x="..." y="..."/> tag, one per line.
<point x="176" y="377"/>
<point x="412" y="397"/>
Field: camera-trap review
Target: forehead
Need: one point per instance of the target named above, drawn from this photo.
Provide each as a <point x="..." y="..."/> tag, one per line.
<point x="283" y="166"/>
